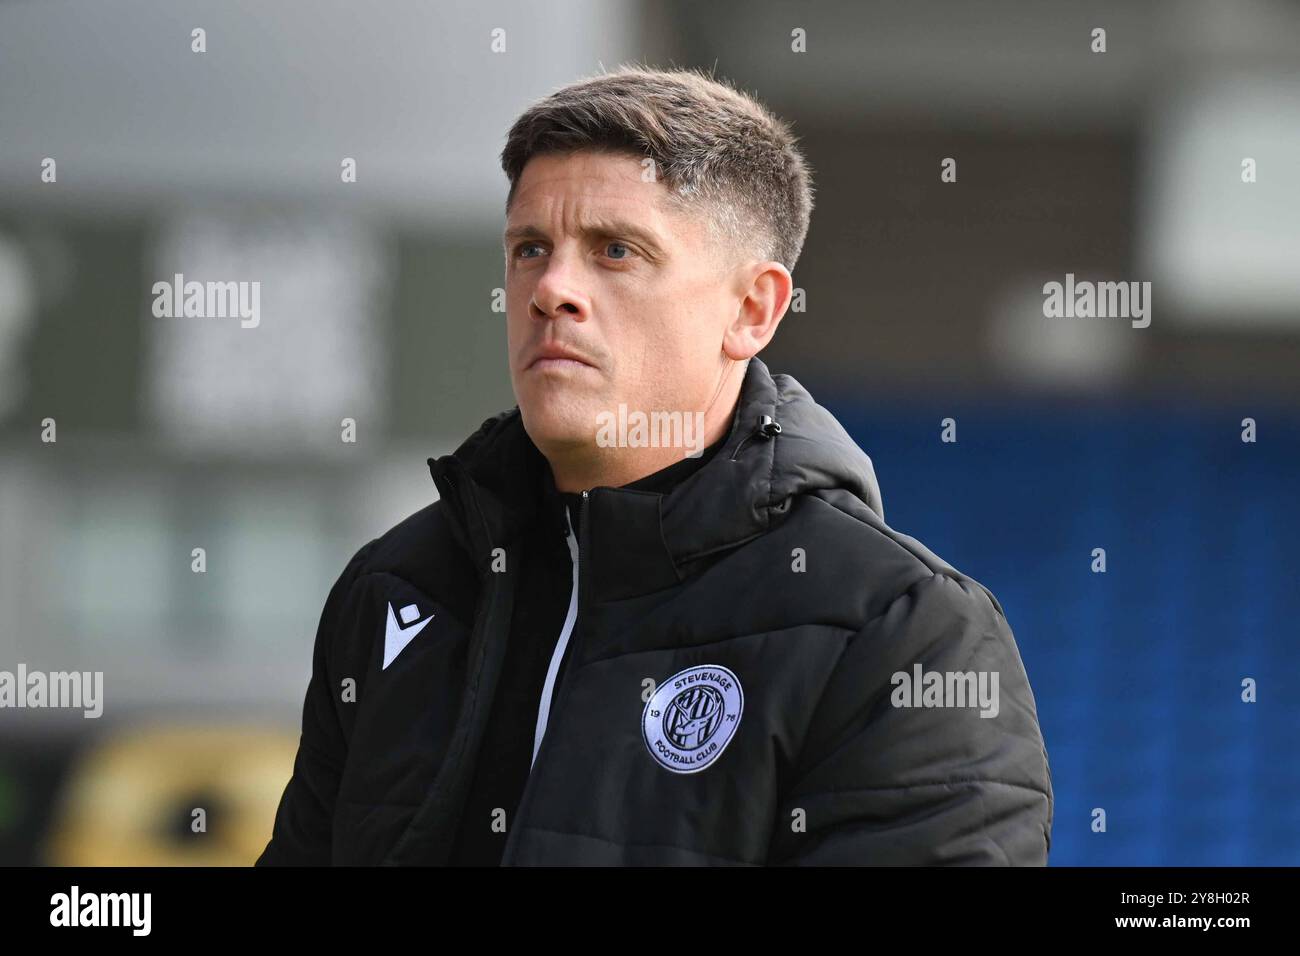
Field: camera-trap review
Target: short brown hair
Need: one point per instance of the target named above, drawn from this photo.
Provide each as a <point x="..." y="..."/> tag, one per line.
<point x="713" y="146"/>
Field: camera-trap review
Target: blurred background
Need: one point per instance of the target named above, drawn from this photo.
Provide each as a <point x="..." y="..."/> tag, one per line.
<point x="924" y="302"/>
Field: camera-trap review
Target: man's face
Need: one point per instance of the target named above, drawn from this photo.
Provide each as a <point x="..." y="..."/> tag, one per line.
<point x="599" y="267"/>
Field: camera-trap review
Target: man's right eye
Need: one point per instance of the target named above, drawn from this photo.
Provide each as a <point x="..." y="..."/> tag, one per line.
<point x="519" y="250"/>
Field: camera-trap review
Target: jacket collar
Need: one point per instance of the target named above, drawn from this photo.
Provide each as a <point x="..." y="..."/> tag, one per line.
<point x="781" y="443"/>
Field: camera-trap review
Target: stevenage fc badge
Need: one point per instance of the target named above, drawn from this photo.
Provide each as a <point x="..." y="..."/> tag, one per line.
<point x="692" y="717"/>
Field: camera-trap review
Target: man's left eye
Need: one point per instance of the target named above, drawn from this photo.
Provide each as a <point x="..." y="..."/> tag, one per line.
<point x="618" y="245"/>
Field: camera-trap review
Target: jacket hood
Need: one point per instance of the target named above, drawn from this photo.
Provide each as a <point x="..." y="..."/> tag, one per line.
<point x="781" y="444"/>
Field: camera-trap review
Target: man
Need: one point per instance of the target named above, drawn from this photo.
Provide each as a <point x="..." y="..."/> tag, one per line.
<point x="656" y="616"/>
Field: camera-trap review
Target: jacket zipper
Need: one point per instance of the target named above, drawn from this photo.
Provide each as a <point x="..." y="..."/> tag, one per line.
<point x="561" y="644"/>
<point x="558" y="696"/>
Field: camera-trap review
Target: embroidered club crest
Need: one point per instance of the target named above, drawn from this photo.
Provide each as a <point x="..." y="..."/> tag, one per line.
<point x="692" y="717"/>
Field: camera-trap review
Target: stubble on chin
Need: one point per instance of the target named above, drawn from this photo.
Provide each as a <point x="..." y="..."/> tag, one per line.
<point x="558" y="426"/>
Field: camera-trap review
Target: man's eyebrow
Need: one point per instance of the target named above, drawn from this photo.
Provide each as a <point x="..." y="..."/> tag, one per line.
<point x="594" y="228"/>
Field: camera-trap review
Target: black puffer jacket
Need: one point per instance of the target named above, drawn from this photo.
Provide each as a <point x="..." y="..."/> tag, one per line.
<point x="754" y="677"/>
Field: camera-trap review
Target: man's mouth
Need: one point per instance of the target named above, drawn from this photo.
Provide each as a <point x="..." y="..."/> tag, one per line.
<point x="557" y="357"/>
<point x="546" y="364"/>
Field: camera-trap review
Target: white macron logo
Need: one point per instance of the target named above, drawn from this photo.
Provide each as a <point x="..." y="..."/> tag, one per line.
<point x="396" y="637"/>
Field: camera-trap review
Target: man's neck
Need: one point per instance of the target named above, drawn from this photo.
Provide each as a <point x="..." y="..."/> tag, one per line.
<point x="616" y="465"/>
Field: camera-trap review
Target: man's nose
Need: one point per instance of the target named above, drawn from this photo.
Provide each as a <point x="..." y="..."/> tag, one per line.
<point x="558" y="293"/>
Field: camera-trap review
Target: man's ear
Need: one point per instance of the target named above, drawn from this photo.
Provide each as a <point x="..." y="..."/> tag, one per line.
<point x="766" y="293"/>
